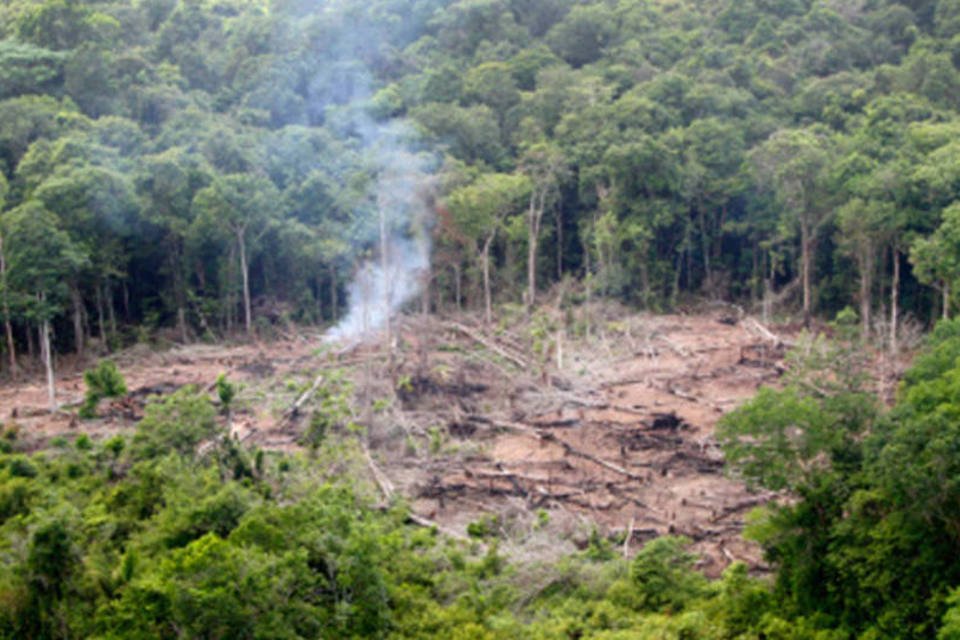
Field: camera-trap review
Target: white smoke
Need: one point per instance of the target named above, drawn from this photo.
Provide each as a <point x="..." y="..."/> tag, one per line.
<point x="375" y="295"/>
<point x="399" y="270"/>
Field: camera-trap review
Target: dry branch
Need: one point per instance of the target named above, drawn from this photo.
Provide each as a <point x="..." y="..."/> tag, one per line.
<point x="626" y="539"/>
<point x="290" y="414"/>
<point x="492" y="346"/>
<point x="383" y="482"/>
<point x="752" y="324"/>
<point x="570" y="449"/>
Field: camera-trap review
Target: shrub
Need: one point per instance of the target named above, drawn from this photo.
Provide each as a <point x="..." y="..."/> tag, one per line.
<point x="103" y="381"/>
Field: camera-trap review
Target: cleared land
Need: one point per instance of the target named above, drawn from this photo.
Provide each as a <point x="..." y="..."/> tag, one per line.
<point x="541" y="435"/>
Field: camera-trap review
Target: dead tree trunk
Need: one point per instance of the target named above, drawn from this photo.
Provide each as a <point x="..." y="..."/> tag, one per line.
<point x="485" y="260"/>
<point x="111" y="312"/>
<point x="7" y="322"/>
<point x="245" y="274"/>
<point x="946" y="299"/>
<point x="805" y="251"/>
<point x="385" y="274"/>
<point x="534" y="221"/>
<point x="47" y="361"/>
<point x="101" y="316"/>
<point x="334" y="294"/>
<point x="866" y="286"/>
<point x="894" y="292"/>
<point x="77" y="304"/>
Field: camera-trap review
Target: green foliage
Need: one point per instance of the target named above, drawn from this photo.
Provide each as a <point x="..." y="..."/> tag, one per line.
<point x="226" y="391"/>
<point x="103" y="381"/>
<point x="176" y="424"/>
<point x="664" y="576"/>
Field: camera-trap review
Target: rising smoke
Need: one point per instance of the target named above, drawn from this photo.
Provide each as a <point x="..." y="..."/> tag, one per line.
<point x="393" y="224"/>
<point x="398" y="273"/>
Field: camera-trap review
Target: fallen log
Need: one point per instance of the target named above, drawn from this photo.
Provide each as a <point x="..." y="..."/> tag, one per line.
<point x="383" y="482"/>
<point x="627" y="538"/>
<point x="492" y="346"/>
<point x="740" y="506"/>
<point x="570" y="449"/>
<point x="430" y="524"/>
<point x="754" y="325"/>
<point x="290" y="414"/>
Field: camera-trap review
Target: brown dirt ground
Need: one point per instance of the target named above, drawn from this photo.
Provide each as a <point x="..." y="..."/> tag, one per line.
<point x="616" y="433"/>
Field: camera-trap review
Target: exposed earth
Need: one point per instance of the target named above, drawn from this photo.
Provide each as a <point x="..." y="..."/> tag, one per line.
<point x="542" y="436"/>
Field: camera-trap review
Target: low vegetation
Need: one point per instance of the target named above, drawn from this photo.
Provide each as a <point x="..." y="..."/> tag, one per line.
<point x="157" y="536"/>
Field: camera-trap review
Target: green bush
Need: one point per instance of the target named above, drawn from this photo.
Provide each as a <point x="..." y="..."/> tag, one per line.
<point x="103" y="381"/>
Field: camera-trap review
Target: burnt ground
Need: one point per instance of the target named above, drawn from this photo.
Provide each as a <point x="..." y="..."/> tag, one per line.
<point x="544" y="435"/>
<point x="619" y="436"/>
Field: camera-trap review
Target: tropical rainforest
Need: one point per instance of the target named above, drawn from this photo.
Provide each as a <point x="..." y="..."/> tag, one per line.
<point x="209" y="168"/>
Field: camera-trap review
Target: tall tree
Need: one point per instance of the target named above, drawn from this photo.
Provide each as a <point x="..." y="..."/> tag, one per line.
<point x="41" y="259"/>
<point x="546" y="168"/>
<point x="243" y="204"/>
<point x="4" y="291"/>
<point x="793" y="161"/>
<point x="479" y="210"/>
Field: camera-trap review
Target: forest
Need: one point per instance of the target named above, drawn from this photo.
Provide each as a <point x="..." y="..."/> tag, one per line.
<point x="202" y="171"/>
<point x="208" y="168"/>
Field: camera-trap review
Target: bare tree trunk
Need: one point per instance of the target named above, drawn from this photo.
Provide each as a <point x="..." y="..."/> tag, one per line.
<point x="30" y="346"/>
<point x="485" y="259"/>
<point x="385" y="274"/>
<point x="866" y="285"/>
<point x="77" y="303"/>
<point x="767" y="288"/>
<point x="558" y="220"/>
<point x="182" y="325"/>
<point x="425" y="293"/>
<point x="245" y="274"/>
<point x="318" y="297"/>
<point x="946" y="299"/>
<point x="101" y="316"/>
<point x="48" y="363"/>
<point x="7" y="323"/>
<point x="534" y="219"/>
<point x="705" y="237"/>
<point x="229" y="306"/>
<point x="457" y="284"/>
<point x="805" y="250"/>
<point x="111" y="313"/>
<point x="894" y="292"/>
<point x="645" y="282"/>
<point x="333" y="293"/>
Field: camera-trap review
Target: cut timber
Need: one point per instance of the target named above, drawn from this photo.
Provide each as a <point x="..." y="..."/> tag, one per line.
<point x="430" y="524"/>
<point x="570" y="449"/>
<point x="489" y="344"/>
<point x="740" y="506"/>
<point x="383" y="482"/>
<point x="290" y="414"/>
<point x="754" y="325"/>
<point x="626" y="539"/>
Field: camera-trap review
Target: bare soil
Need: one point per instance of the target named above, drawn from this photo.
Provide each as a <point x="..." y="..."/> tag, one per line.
<point x="546" y="435"/>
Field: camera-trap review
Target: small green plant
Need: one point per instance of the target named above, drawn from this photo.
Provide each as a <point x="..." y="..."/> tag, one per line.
<point x="436" y="439"/>
<point x="115" y="445"/>
<point x="83" y="442"/>
<point x="316" y="431"/>
<point x="486" y="527"/>
<point x="103" y="381"/>
<point x="543" y="519"/>
<point x="404" y="384"/>
<point x="226" y="391"/>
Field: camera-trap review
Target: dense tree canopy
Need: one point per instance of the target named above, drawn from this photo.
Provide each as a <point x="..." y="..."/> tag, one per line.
<point x="798" y="153"/>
